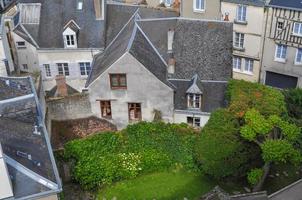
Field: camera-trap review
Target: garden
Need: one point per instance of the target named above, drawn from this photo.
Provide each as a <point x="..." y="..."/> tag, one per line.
<point x="241" y="145"/>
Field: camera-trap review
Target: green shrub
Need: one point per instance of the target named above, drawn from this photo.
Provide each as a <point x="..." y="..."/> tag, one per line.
<point x="219" y="150"/>
<point x="243" y="95"/>
<point x="140" y="148"/>
<point x="293" y="99"/>
<point x="254" y="176"/>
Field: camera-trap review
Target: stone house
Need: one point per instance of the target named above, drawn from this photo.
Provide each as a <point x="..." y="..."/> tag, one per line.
<point x="62" y="38"/>
<point x="282" y="60"/>
<point x="176" y="66"/>
<point x="248" y="40"/>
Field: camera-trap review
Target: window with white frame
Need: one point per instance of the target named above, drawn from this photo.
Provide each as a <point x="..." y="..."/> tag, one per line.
<point x="297" y="29"/>
<point x="199" y="5"/>
<point x="47" y="70"/>
<point x="63" y="69"/>
<point x="298" y="59"/>
<point x="249" y="65"/>
<point x="193" y="121"/>
<point x="280" y="52"/>
<point x="85" y="68"/>
<point x="194" y="100"/>
<point x="239" y="40"/>
<point x="70" y="38"/>
<point x="241" y="13"/>
<point x="237" y="63"/>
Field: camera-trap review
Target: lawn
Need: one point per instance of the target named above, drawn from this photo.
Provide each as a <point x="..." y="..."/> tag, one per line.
<point x="160" y="186"/>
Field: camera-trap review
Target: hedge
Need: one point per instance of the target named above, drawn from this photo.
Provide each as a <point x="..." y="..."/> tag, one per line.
<point x="140" y="148"/>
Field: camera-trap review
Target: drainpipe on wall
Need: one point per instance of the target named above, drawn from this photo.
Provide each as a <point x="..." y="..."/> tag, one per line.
<point x="266" y="9"/>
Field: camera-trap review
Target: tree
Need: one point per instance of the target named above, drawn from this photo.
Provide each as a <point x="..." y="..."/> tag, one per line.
<point x="219" y="150"/>
<point x="275" y="137"/>
<point x="293" y="99"/>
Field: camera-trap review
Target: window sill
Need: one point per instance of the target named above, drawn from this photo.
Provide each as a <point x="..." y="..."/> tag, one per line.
<point x="239" y="48"/>
<point x="298" y="63"/>
<point x="240" y="22"/>
<point x="280" y="60"/>
<point x="296" y="35"/>
<point x="243" y="72"/>
<point x="198" y="11"/>
<point x="118" y="88"/>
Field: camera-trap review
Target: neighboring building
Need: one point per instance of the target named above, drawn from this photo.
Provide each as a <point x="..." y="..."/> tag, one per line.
<point x="3" y="66"/>
<point x="282" y="59"/>
<point x="248" y="17"/>
<point x="176" y="66"/>
<point x="27" y="165"/>
<point x="201" y="9"/>
<point x="61" y="38"/>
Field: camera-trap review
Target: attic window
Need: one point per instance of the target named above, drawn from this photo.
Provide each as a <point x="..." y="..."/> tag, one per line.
<point x="80" y="5"/>
<point x="194" y="101"/>
<point x="70" y="38"/>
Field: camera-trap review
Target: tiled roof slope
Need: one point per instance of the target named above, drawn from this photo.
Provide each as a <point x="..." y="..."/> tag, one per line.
<point x="291" y="4"/>
<point x="199" y="47"/>
<point x="56" y="14"/>
<point x="25" y="143"/>
<point x="259" y="3"/>
<point x="119" y="14"/>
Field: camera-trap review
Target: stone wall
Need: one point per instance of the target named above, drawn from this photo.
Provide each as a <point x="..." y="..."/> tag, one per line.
<point x="70" y="107"/>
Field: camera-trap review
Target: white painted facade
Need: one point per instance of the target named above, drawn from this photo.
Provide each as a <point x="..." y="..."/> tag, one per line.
<point x="142" y="87"/>
<point x="253" y="30"/>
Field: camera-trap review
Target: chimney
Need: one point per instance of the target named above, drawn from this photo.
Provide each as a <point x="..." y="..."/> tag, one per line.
<point x="98" y="9"/>
<point x="171" y="65"/>
<point x="170" y="40"/>
<point x="61" y="86"/>
<point x="226" y="17"/>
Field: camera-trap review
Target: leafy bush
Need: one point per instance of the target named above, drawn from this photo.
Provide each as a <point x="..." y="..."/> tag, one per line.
<point x="254" y="176"/>
<point x="243" y="95"/>
<point x="293" y="99"/>
<point x="140" y="148"/>
<point x="219" y="150"/>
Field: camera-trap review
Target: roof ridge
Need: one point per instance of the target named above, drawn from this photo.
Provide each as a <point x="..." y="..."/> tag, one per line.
<point x="133" y="34"/>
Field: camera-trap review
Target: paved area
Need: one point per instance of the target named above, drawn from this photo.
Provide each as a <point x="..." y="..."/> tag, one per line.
<point x="291" y="192"/>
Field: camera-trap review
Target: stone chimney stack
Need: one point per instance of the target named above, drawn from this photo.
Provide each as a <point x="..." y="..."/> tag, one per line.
<point x="61" y="86"/>
<point x="98" y="9"/>
<point x="171" y="65"/>
<point x="170" y="40"/>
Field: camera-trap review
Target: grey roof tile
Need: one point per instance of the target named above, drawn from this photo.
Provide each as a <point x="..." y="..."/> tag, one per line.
<point x="293" y="4"/>
<point x="258" y="3"/>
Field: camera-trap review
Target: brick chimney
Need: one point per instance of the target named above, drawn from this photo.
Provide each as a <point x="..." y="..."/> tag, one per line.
<point x="98" y="9"/>
<point x="171" y="65"/>
<point x="61" y="86"/>
<point x="226" y="17"/>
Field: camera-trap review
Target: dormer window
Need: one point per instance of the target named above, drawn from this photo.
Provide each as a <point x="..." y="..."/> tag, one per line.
<point x="194" y="101"/>
<point x="70" y="33"/>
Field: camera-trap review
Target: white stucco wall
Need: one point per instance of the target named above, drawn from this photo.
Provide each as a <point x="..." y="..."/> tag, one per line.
<point x="253" y="38"/>
<point x="142" y="87"/>
<point x="72" y="57"/>
<point x="27" y="55"/>
<point x="181" y="117"/>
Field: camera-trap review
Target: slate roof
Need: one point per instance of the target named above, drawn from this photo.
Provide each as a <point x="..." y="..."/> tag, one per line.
<point x="131" y="39"/>
<point x="53" y="92"/>
<point x="56" y="14"/>
<point x="291" y="4"/>
<point x="200" y="47"/>
<point x="14" y="87"/>
<point x="213" y="94"/>
<point x="25" y="143"/>
<point x="258" y="3"/>
<point x="119" y="14"/>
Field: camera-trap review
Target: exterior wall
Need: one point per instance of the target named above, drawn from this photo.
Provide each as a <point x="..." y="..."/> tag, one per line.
<point x="72" y="57"/>
<point x="182" y="118"/>
<point x="3" y="71"/>
<point x="142" y="87"/>
<point x="273" y="37"/>
<point x="253" y="38"/>
<point x="27" y="55"/>
<point x="212" y="10"/>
